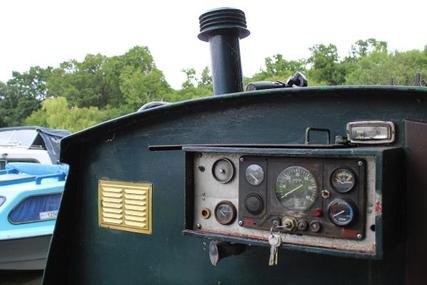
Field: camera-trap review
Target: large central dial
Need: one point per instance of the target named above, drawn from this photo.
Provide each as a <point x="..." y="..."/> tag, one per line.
<point x="296" y="188"/>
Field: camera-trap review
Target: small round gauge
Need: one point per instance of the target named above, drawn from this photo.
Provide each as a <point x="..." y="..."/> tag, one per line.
<point x="296" y="188"/>
<point x="223" y="170"/>
<point x="254" y="174"/>
<point x="225" y="212"/>
<point x="343" y="180"/>
<point x="341" y="212"/>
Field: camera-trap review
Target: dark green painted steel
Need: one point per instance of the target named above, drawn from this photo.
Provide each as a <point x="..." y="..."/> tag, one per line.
<point x="83" y="253"/>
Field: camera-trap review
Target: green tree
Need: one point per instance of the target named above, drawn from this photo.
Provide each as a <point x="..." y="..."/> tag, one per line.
<point x="3" y="94"/>
<point x="194" y="86"/>
<point x="55" y="113"/>
<point x="131" y="79"/>
<point x="363" y="48"/>
<point x="140" y="81"/>
<point x="23" y="94"/>
<point x="31" y="84"/>
<point x="326" y="66"/>
<point x="277" y="68"/>
<point x="78" y="94"/>
<point x="381" y="67"/>
<point x="277" y="65"/>
<point x="139" y="87"/>
<point x="138" y="59"/>
<point x="82" y="83"/>
<point x="205" y="79"/>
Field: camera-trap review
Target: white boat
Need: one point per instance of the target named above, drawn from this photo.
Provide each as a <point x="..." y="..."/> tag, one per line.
<point x="30" y="144"/>
<point x="31" y="186"/>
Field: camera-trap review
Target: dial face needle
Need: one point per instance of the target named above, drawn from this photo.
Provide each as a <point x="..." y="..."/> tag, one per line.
<point x="339" y="213"/>
<point x="292" y="191"/>
<point x="254" y="177"/>
<point x="224" y="212"/>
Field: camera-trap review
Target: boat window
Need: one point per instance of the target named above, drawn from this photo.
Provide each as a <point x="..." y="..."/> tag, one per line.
<point x="36" y="209"/>
<point x="21" y="138"/>
<point x="38" y="143"/>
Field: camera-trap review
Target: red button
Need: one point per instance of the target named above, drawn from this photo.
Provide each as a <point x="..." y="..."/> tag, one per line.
<point x="317" y="212"/>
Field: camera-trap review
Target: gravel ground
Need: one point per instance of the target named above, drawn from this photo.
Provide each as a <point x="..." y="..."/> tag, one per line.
<point x="21" y="277"/>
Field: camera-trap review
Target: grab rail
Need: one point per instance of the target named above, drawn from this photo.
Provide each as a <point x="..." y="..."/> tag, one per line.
<point x="61" y="177"/>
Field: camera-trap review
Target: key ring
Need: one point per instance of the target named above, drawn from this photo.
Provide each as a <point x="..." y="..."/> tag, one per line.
<point x="281" y="233"/>
<point x="276" y="227"/>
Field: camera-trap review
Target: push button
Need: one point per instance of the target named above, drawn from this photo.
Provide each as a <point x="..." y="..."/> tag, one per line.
<point x="254" y="204"/>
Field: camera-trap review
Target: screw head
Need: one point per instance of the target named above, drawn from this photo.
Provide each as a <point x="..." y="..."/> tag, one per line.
<point x="359" y="236"/>
<point x="302" y="225"/>
<point x="360" y="163"/>
<point x="240" y="223"/>
<point x="325" y="194"/>
<point x="315" y="226"/>
<point x="241" y="159"/>
<point x="199" y="226"/>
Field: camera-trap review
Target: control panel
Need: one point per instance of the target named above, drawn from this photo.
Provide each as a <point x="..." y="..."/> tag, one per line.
<point x="327" y="201"/>
<point x="306" y="196"/>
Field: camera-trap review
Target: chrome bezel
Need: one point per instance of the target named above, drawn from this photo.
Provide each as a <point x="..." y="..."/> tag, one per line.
<point x="388" y="124"/>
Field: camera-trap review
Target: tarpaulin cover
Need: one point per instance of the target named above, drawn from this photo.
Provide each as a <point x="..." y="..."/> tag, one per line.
<point x="51" y="138"/>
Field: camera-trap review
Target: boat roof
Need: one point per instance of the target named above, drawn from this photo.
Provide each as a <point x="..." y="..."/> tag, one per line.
<point x="235" y="99"/>
<point x="22" y="172"/>
<point x="34" y="137"/>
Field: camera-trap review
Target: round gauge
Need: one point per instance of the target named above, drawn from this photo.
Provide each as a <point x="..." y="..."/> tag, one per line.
<point x="223" y="170"/>
<point x="343" y="180"/>
<point x="225" y="212"/>
<point x="254" y="174"/>
<point x="341" y="212"/>
<point x="296" y="188"/>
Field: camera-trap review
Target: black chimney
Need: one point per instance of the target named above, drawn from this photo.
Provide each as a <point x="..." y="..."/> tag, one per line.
<point x="222" y="28"/>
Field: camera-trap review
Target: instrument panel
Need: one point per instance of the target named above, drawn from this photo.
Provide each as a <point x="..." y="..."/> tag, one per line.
<point x="328" y="201"/>
<point x="306" y="196"/>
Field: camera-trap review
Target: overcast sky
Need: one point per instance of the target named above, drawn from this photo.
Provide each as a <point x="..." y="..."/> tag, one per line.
<point x="48" y="32"/>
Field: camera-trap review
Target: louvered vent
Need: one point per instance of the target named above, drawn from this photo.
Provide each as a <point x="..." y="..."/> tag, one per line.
<point x="125" y="206"/>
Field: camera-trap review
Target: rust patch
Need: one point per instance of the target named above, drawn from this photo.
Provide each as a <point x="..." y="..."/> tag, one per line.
<point x="346" y="233"/>
<point x="249" y="222"/>
<point x="378" y="208"/>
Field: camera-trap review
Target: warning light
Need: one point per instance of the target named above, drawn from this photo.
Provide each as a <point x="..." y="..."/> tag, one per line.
<point x="317" y="212"/>
<point x="371" y="132"/>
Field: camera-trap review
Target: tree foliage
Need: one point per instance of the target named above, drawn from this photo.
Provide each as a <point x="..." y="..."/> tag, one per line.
<point x="56" y="113"/>
<point x="194" y="86"/>
<point x="79" y="94"/>
<point x="23" y="94"/>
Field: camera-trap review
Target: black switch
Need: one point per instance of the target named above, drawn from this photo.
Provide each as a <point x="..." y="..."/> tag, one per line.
<point x="254" y="204"/>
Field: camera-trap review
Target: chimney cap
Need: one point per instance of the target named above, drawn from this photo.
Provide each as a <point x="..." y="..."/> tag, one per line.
<point x="222" y="20"/>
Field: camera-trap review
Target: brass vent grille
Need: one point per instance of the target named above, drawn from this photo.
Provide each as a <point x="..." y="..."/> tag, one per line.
<point x="125" y="206"/>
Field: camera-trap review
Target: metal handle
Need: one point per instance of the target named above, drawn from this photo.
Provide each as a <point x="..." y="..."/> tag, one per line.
<point x="308" y="130"/>
<point x="61" y="177"/>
